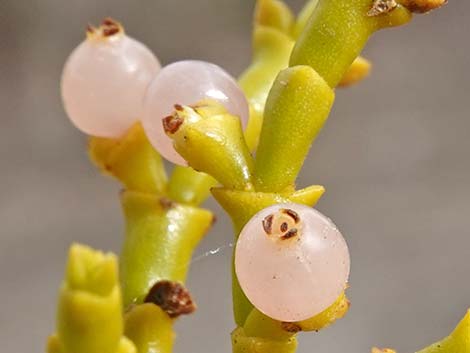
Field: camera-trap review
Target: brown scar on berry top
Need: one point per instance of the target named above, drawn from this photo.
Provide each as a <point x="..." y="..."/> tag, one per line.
<point x="268" y="224"/>
<point x="290" y="234"/>
<point x="284" y="227"/>
<point x="292" y="214"/>
<point x="172" y="297"/>
<point x="172" y="123"/>
<point x="110" y="27"/>
<point x="110" y="31"/>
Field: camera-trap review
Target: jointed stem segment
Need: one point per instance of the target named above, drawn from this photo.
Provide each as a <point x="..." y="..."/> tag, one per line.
<point x="296" y="109"/>
<point x="163" y="227"/>
<point x="90" y="307"/>
<point x="336" y="34"/>
<point x="161" y="236"/>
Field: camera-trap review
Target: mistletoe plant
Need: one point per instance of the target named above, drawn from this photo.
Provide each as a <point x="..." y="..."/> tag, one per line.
<point x="291" y="264"/>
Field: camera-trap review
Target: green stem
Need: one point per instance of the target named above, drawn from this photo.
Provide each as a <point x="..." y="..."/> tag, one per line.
<point x="213" y="143"/>
<point x="336" y="34"/>
<point x="457" y="342"/>
<point x="163" y="227"/>
<point x="160" y="239"/>
<point x="303" y="17"/>
<point x="132" y="160"/>
<point x="89" y="318"/>
<point x="297" y="107"/>
<point x="189" y="187"/>
<point x="272" y="46"/>
<point x="150" y="329"/>
<point x="272" y="50"/>
<point x="274" y="14"/>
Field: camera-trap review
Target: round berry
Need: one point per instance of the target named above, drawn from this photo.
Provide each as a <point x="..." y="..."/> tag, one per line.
<point x="291" y="262"/>
<point x="105" y="79"/>
<point x="187" y="83"/>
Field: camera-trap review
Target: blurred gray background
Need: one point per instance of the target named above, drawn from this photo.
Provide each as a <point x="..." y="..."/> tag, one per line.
<point x="393" y="157"/>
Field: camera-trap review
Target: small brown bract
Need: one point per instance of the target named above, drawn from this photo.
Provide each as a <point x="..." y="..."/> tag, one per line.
<point x="171" y="297"/>
<point x="108" y="21"/>
<point x="90" y="29"/>
<point x="291" y="327"/>
<point x="166" y="203"/>
<point x="110" y="27"/>
<point x="380" y="7"/>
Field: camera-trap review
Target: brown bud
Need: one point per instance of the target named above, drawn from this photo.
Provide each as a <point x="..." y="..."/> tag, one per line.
<point x="422" y="6"/>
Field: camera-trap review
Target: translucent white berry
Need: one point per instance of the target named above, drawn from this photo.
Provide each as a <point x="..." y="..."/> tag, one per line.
<point x="105" y="79"/>
<point x="292" y="262"/>
<point x="187" y="83"/>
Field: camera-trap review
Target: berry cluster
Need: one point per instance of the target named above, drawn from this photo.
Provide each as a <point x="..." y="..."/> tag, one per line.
<point x="291" y="261"/>
<point x="111" y="80"/>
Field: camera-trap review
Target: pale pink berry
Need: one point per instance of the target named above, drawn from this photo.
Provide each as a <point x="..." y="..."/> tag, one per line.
<point x="105" y="79"/>
<point x="292" y="262"/>
<point x="187" y="83"/>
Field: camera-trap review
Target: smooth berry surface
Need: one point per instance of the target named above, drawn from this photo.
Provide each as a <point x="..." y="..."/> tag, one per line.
<point x="187" y="83"/>
<point x="292" y="262"/>
<point x="104" y="83"/>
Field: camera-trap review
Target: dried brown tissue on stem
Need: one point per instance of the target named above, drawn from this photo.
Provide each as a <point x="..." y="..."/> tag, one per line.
<point x="381" y="7"/>
<point x="172" y="297"/>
